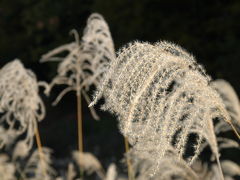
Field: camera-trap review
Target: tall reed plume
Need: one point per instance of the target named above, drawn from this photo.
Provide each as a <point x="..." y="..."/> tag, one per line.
<point x="84" y="64"/>
<point x="20" y="104"/>
<point x="231" y="102"/>
<point x="163" y="101"/>
<point x="86" y="60"/>
<point x="34" y="167"/>
<point x="22" y="165"/>
<point x="7" y="169"/>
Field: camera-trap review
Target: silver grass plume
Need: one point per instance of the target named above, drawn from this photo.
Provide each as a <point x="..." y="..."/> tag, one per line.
<point x="161" y="97"/>
<point x="111" y="172"/>
<point x="210" y="171"/>
<point x="70" y="174"/>
<point x="230" y="168"/>
<point x="86" y="60"/>
<point x="20" y="151"/>
<point x="20" y="104"/>
<point x="231" y="101"/>
<point x="34" y="168"/>
<point x="7" y="169"/>
<point x="89" y="163"/>
<point x="206" y="172"/>
<point x="170" y="168"/>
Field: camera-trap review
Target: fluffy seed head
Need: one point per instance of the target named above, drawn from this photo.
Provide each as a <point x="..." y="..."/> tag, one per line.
<point x="86" y="61"/>
<point x="163" y="99"/>
<point x="20" y="104"/>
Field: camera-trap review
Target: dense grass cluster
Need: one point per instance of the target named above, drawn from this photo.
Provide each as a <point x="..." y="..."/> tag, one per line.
<point x="169" y="111"/>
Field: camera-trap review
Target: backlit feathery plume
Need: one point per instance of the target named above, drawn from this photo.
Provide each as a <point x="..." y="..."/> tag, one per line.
<point x="20" y="104"/>
<point x="20" y="151"/>
<point x="231" y="101"/>
<point x="89" y="163"/>
<point x="34" y="168"/>
<point x="163" y="99"/>
<point x="231" y="170"/>
<point x="230" y="167"/>
<point x="86" y="60"/>
<point x="111" y="172"/>
<point x="170" y="168"/>
<point x="71" y="172"/>
<point x="7" y="169"/>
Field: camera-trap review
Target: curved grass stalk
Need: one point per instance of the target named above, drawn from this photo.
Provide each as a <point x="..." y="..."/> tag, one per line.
<point x="40" y="151"/>
<point x="129" y="166"/>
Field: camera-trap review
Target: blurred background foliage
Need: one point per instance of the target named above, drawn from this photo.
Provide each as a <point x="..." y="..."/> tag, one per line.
<point x="29" y="28"/>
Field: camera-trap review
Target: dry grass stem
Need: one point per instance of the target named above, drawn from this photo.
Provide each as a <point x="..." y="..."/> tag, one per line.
<point x="129" y="166"/>
<point x="40" y="151"/>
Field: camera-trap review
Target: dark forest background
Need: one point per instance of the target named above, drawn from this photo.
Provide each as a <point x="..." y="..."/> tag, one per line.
<point x="210" y="30"/>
